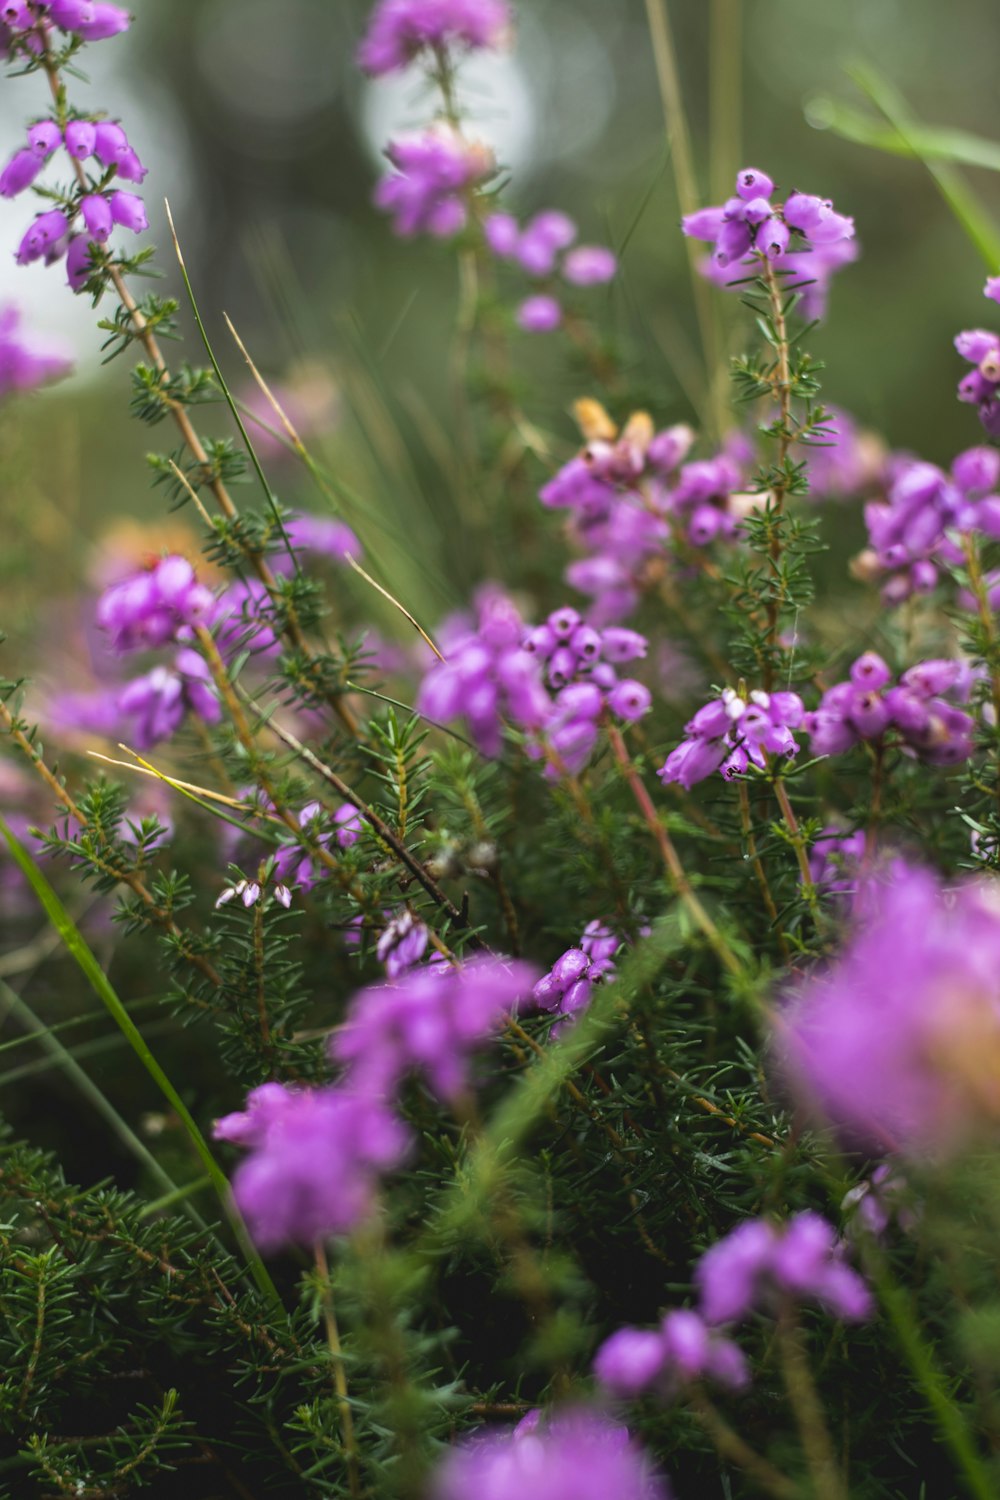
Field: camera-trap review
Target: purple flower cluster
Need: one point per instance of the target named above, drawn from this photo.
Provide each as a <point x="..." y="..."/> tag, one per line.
<point x="981" y="348"/>
<point x="580" y="665"/>
<point x="25" y="365"/>
<point x="26" y="23"/>
<point x="803" y="237"/>
<point x="542" y="250"/>
<point x="613" y="492"/>
<point x="429" y="190"/>
<point x="315" y="1157"/>
<point x="915" y="709"/>
<point x="401" y="30"/>
<point x="760" y="1264"/>
<point x="297" y="867"/>
<point x="732" y="733"/>
<point x="566" y="989"/>
<point x="487" y="675"/>
<point x="430" y="1020"/>
<point x="99" y="205"/>
<point x="683" y="1349"/>
<point x="572" y="1455"/>
<point x="896" y="1042"/>
<point x="909" y="531"/>
<point x="160" y="604"/>
<point x="158" y="703"/>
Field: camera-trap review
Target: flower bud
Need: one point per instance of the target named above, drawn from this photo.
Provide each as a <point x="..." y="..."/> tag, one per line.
<point x="80" y="137"/>
<point x="20" y="172"/>
<point x="97" y="216"/>
<point x="129" y="211"/>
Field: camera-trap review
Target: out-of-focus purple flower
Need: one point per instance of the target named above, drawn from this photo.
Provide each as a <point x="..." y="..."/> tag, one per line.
<point x="732" y="733"/>
<point x="895" y="1042"/>
<point x="911" y="530"/>
<point x="683" y="1349"/>
<point x="323" y="535"/>
<point x="402" y="943"/>
<point x="874" y="1203"/>
<point x="835" y="860"/>
<point x="488" y="676"/>
<point x="435" y="170"/>
<point x="573" y="1455"/>
<point x="160" y="604"/>
<point x="916" y="710"/>
<point x="760" y="1264"/>
<point x="845" y="462"/>
<point x="244" y="620"/>
<point x="314" y="1163"/>
<point x="539" y="314"/>
<point x="23" y="365"/>
<point x="400" y="30"/>
<point x="590" y="265"/>
<point x="431" y="1020"/>
<point x="159" y="702"/>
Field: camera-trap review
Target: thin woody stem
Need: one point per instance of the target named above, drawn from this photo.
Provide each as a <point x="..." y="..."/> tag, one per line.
<point x="339" y="1373"/>
<point x="223" y="499"/>
<point x="759" y="871"/>
<point x="738" y="1451"/>
<point x="781" y="385"/>
<point x="675" y="870"/>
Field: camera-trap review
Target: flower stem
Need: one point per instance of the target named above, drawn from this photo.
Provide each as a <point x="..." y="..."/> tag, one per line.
<point x="676" y="871"/>
<point x="339" y="1373"/>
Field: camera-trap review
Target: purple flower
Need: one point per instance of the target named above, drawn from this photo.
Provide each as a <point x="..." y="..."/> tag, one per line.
<point x="749" y="227"/>
<point x="44" y="238"/>
<point x="80" y="137"/>
<point x="323" y="535"/>
<point x="314" y="1162"/>
<point x="400" y="30"/>
<point x="487" y="676"/>
<point x="402" y="944"/>
<point x="683" y="1349"/>
<point x="867" y="708"/>
<point x="435" y="171"/>
<point x="128" y="210"/>
<point x="23" y="366"/>
<point x="895" y="1041"/>
<point x="540" y="314"/>
<point x="731" y="733"/>
<point x="567" y="987"/>
<point x="158" y="605"/>
<point x="846" y="461"/>
<point x="431" y="1020"/>
<point x="20" y="172"/>
<point x="244" y="622"/>
<point x="573" y="1455"/>
<point x="835" y="860"/>
<point x="759" y="1264"/>
<point x="590" y="265"/>
<point x="160" y="701"/>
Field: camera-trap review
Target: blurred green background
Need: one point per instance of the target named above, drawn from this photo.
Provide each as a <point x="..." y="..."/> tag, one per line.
<point x="260" y="130"/>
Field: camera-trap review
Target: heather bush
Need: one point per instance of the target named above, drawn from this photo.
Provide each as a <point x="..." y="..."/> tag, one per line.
<point x="566" y="1033"/>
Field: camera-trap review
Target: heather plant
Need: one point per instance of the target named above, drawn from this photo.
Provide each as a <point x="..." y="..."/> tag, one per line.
<point x="567" y="1033"/>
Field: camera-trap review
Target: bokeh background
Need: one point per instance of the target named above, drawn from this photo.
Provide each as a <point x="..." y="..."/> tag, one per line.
<point x="266" y="139"/>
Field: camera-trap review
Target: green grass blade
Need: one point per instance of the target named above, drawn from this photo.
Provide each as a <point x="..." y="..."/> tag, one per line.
<point x="78" y="948"/>
<point x="960" y="198"/>
<point x="64" y="1059"/>
<point x="924" y="142"/>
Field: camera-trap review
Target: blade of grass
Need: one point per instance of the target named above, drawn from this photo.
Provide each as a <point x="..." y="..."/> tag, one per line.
<point x="61" y="1057"/>
<point x="960" y="198"/>
<point x="923" y="142"/>
<point x="76" y="945"/>
<point x="679" y="139"/>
